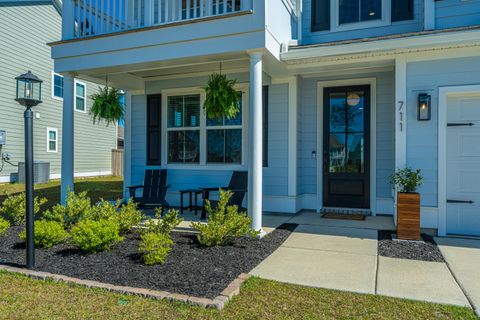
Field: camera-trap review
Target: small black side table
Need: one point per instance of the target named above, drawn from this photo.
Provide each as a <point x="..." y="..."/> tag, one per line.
<point x="191" y="193"/>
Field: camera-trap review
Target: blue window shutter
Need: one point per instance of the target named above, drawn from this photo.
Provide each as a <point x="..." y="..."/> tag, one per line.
<point x="320" y="15"/>
<point x="265" y="126"/>
<point x="154" y="103"/>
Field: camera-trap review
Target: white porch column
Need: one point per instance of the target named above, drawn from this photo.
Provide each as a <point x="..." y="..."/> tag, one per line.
<point x="127" y="153"/>
<point x="400" y="117"/>
<point x="67" y="135"/>
<point x="68" y="19"/>
<point x="255" y="154"/>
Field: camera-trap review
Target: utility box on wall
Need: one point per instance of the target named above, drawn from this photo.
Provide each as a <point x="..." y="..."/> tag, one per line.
<point x="3" y="137"/>
<point x="41" y="172"/>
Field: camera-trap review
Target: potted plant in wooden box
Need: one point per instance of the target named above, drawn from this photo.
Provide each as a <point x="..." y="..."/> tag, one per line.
<point x="408" y="203"/>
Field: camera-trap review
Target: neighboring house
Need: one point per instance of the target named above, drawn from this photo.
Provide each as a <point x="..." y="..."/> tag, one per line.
<point x="25" y="29"/>
<point x="330" y="93"/>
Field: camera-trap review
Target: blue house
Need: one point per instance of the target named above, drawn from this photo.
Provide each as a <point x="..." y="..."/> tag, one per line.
<point x="336" y="94"/>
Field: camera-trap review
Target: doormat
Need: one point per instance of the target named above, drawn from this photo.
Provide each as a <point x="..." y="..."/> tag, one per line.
<point x="329" y="215"/>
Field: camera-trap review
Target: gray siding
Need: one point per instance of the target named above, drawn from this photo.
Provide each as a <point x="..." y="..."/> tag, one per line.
<point x="24" y="47"/>
<point x="457" y="13"/>
<point x="310" y="37"/>
<point x="275" y="176"/>
<point x="384" y="135"/>
<point x="422" y="137"/>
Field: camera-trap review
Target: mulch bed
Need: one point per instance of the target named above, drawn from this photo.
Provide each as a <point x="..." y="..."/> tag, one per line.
<point x="425" y="250"/>
<point x="189" y="269"/>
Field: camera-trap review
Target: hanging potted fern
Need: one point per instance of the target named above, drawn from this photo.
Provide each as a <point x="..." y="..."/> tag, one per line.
<point x="107" y="105"/>
<point x="222" y="99"/>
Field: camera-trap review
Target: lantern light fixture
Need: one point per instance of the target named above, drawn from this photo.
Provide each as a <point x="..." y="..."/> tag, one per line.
<point x="424" y="107"/>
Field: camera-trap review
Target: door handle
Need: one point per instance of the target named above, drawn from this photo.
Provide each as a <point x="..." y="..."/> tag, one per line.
<point x="461" y="201"/>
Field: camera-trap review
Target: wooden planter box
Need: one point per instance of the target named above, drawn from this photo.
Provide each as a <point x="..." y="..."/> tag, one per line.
<point x="408" y="216"/>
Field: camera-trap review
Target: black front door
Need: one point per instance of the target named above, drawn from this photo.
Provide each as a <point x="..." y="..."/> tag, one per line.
<point x="346" y="147"/>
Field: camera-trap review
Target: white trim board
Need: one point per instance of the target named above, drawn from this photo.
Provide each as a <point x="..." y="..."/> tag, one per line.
<point x="443" y="94"/>
<point x="53" y="176"/>
<point x="373" y="127"/>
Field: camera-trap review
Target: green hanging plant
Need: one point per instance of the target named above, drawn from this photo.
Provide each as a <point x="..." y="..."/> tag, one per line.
<point x="106" y="105"/>
<point x="222" y="100"/>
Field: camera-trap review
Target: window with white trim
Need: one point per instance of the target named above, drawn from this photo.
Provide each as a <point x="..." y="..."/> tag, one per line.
<point x="192" y="138"/>
<point x="183" y="128"/>
<point x="52" y="140"/>
<point x="80" y="96"/>
<point x="224" y="140"/>
<point x="57" y="86"/>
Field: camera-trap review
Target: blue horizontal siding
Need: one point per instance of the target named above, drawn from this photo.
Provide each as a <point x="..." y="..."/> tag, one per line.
<point x="422" y="137"/>
<point x="457" y="13"/>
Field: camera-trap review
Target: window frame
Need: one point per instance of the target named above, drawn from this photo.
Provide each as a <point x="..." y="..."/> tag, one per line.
<point x="75" y="96"/>
<point x="335" y="25"/>
<point x="53" y="86"/>
<point x="203" y="164"/>
<point x="48" y="140"/>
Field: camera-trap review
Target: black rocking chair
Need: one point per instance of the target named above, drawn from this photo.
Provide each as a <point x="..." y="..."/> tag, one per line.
<point x="154" y="190"/>
<point x="238" y="185"/>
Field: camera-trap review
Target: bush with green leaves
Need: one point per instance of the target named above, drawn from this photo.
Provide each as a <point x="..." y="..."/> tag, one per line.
<point x="4" y="225"/>
<point x="129" y="216"/>
<point x="95" y="236"/>
<point x="164" y="225"/>
<point x="47" y="234"/>
<point x="14" y="208"/>
<point x="407" y="180"/>
<point x="77" y="207"/>
<point x="225" y="223"/>
<point x="155" y="242"/>
<point x="154" y="247"/>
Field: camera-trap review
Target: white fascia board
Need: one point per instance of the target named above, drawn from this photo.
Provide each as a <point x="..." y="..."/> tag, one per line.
<point x="158" y="53"/>
<point x="397" y="45"/>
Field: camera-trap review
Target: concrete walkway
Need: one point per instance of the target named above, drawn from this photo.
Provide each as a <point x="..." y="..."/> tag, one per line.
<point x="463" y="258"/>
<point x="342" y="255"/>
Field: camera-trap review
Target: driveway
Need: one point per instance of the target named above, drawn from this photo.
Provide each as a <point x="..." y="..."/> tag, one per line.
<point x="342" y="255"/>
<point x="463" y="258"/>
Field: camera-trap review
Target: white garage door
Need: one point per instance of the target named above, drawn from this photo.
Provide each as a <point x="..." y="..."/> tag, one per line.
<point x="463" y="165"/>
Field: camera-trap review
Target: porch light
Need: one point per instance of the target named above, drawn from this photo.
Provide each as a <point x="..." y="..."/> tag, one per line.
<point x="424" y="107"/>
<point x="29" y="90"/>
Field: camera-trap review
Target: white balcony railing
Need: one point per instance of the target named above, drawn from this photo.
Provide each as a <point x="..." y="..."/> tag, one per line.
<point x="96" y="17"/>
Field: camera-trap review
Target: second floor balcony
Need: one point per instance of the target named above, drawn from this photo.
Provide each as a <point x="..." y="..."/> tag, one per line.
<point x="97" y="17"/>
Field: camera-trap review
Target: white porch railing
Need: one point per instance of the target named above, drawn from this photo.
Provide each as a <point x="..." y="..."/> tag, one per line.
<point x="95" y="17"/>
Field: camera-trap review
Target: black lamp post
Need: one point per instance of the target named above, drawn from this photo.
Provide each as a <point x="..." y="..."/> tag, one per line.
<point x="29" y="94"/>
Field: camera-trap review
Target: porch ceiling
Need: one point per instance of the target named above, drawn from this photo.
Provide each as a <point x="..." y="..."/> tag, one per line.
<point x="133" y="77"/>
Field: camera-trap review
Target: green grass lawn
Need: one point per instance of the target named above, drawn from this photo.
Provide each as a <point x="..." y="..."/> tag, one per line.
<point x="108" y="188"/>
<point x="24" y="298"/>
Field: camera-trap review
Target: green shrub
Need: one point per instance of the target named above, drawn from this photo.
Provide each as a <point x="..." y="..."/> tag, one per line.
<point x="4" y="225"/>
<point x="76" y="208"/>
<point x="407" y="180"/>
<point x="95" y="236"/>
<point x="164" y="225"/>
<point x="47" y="233"/>
<point x="102" y="211"/>
<point x="14" y="208"/>
<point x="128" y="216"/>
<point x="155" y="247"/>
<point x="224" y="225"/>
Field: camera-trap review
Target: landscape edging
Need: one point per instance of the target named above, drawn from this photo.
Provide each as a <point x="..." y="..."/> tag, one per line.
<point x="218" y="302"/>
